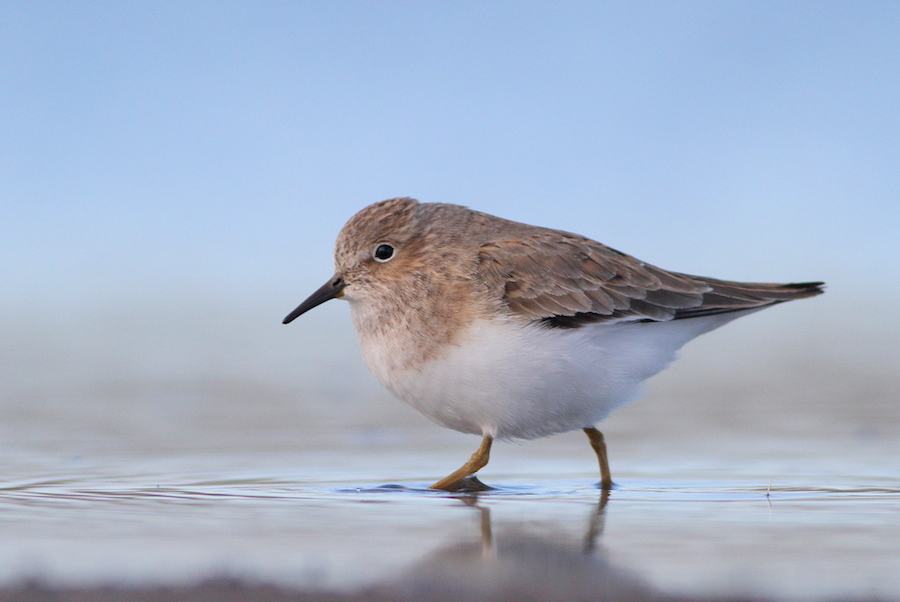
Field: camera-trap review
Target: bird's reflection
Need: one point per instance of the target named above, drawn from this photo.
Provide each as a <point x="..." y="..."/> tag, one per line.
<point x="593" y="532"/>
<point x="596" y="523"/>
<point x="529" y="560"/>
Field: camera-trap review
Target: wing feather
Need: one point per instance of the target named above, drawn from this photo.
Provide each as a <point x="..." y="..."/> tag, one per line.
<point x="565" y="280"/>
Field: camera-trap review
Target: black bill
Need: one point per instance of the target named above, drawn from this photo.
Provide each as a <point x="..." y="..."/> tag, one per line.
<point x="332" y="289"/>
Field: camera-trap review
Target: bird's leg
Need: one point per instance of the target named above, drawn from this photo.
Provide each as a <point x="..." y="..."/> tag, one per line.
<point x="478" y="460"/>
<point x="596" y="439"/>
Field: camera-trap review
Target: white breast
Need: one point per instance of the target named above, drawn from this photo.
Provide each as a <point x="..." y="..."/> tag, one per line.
<point x="525" y="381"/>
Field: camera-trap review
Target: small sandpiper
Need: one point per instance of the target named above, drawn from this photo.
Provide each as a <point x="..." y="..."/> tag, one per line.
<point x="510" y="331"/>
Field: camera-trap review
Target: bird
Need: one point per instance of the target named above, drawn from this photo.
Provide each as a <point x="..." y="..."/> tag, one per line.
<point x="510" y="331"/>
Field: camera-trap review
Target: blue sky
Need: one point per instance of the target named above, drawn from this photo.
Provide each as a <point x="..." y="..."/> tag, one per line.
<point x="214" y="149"/>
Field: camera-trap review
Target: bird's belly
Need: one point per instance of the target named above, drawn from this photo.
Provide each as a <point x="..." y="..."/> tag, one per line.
<point x="517" y="381"/>
<point x="508" y="397"/>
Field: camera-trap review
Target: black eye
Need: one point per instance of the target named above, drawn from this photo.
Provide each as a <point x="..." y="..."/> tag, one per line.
<point x="383" y="252"/>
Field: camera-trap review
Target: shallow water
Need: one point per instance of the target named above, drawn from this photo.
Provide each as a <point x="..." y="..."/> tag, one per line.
<point x="144" y="456"/>
<point x="178" y="519"/>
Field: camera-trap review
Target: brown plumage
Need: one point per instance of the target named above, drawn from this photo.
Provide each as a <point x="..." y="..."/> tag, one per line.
<point x="511" y="331"/>
<point x="566" y="280"/>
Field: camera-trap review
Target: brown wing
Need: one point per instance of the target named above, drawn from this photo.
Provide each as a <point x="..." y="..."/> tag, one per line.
<point x="565" y="280"/>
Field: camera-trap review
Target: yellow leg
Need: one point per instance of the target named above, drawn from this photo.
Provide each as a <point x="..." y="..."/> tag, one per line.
<point x="478" y="460"/>
<point x="596" y="439"/>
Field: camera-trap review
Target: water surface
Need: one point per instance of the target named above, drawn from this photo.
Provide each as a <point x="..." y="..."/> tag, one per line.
<point x="145" y="455"/>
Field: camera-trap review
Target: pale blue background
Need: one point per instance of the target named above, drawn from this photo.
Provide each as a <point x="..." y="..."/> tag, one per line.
<point x="212" y="150"/>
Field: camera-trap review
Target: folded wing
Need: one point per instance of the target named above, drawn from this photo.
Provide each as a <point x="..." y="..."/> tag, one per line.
<point x="565" y="281"/>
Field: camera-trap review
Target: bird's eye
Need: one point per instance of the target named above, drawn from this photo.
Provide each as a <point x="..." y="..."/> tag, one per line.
<point x="383" y="252"/>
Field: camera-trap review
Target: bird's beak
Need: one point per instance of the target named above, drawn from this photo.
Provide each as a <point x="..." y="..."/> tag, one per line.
<point x="332" y="289"/>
